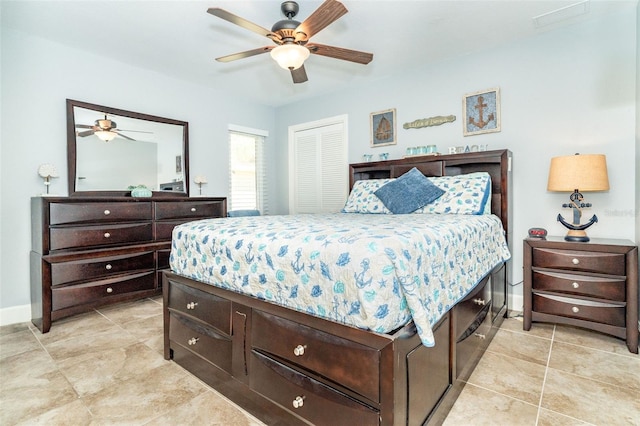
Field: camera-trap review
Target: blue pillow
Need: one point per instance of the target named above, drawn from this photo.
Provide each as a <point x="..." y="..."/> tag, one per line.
<point x="408" y="193"/>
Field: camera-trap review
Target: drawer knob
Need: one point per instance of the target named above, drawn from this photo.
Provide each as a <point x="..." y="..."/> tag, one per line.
<point x="479" y="301"/>
<point x="109" y="290"/>
<point x="107" y="235"/>
<point x="299" y="350"/>
<point x="298" y="402"/>
<point x="575" y="285"/>
<point x="480" y="336"/>
<point x="107" y="212"/>
<point x="193" y="341"/>
<point x="108" y="267"/>
<point x="575" y="309"/>
<point x="192" y="305"/>
<point x="193" y="209"/>
<point x="575" y="261"/>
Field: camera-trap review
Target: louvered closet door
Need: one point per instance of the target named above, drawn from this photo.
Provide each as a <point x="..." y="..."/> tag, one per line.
<point x="319" y="168"/>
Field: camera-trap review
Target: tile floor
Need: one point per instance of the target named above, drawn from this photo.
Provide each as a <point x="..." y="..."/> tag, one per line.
<point x="106" y="368"/>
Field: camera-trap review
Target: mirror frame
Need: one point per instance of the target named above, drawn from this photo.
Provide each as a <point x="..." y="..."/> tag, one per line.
<point x="72" y="153"/>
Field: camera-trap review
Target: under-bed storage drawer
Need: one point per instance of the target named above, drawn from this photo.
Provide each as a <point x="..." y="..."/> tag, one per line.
<point x="467" y="309"/>
<point x="306" y="397"/>
<point x="215" y="347"/>
<point x="99" y="291"/>
<point x="342" y="361"/>
<point x="87" y="269"/>
<point x="211" y="309"/>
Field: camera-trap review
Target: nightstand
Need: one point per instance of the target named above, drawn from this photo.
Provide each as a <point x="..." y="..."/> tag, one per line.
<point x="592" y="285"/>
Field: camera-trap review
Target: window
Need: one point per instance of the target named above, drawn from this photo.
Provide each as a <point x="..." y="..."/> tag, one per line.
<point x="247" y="178"/>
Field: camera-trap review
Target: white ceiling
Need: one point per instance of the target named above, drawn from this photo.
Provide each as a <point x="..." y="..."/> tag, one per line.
<point x="180" y="39"/>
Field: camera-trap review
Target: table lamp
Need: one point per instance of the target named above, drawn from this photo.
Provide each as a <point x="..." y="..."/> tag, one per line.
<point x="578" y="173"/>
<point x="200" y="180"/>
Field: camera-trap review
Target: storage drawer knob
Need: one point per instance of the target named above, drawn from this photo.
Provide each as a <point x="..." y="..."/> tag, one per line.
<point x="480" y="336"/>
<point x="575" y="309"/>
<point x="298" y="402"/>
<point x="575" y="261"/>
<point x="108" y="267"/>
<point x="109" y="290"/>
<point x="193" y="341"/>
<point x="299" y="350"/>
<point x="192" y="305"/>
<point x="193" y="209"/>
<point x="479" y="301"/>
<point x="107" y="212"/>
<point x="107" y="235"/>
<point x="575" y="285"/>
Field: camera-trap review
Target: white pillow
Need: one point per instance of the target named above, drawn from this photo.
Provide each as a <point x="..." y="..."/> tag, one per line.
<point x="362" y="198"/>
<point x="464" y="194"/>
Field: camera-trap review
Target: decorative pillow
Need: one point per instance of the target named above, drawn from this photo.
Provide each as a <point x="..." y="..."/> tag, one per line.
<point x="464" y="194"/>
<point x="408" y="193"/>
<point x="362" y="198"/>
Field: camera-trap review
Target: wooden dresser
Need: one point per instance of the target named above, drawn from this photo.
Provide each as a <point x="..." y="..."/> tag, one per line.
<point x="592" y="285"/>
<point x="88" y="252"/>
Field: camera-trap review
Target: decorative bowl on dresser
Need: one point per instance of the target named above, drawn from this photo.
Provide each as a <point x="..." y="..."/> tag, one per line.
<point x="88" y="252"/>
<point x="592" y="285"/>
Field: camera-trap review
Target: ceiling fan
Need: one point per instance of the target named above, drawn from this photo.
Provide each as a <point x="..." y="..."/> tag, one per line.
<point x="291" y="38"/>
<point x="104" y="129"/>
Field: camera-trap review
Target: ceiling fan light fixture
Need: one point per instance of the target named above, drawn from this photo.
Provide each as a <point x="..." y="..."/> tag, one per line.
<point x="290" y="56"/>
<point x="106" y="135"/>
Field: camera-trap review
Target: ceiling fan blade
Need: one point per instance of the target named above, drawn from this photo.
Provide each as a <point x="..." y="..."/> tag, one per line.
<point x="340" y="53"/>
<point x="299" y="75"/>
<point x="125" y="136"/>
<point x="328" y="12"/>
<point x="245" y="54"/>
<point x="235" y="19"/>
<point x="85" y="133"/>
<point x="84" y="126"/>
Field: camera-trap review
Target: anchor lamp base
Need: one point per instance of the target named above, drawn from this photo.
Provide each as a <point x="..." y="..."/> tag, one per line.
<point x="576" y="236"/>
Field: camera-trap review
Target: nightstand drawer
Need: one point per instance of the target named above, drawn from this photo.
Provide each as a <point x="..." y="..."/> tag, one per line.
<point x="604" y="313"/>
<point x="584" y="285"/>
<point x="586" y="261"/>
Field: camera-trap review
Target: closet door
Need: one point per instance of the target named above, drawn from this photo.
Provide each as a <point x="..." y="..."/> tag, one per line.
<point x="318" y="167"/>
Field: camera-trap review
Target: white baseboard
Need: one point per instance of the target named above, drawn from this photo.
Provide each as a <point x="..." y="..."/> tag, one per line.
<point x="15" y="314"/>
<point x="516" y="302"/>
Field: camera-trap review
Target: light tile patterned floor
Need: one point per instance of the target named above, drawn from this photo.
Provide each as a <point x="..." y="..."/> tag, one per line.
<point x="106" y="367"/>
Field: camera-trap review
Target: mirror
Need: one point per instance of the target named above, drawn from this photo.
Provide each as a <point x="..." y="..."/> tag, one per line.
<point x="110" y="150"/>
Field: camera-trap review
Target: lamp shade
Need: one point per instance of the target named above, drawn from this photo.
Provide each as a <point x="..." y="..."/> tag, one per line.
<point x="578" y="172"/>
<point x="290" y="56"/>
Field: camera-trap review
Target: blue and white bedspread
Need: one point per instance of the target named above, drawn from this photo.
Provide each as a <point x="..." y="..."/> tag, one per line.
<point x="374" y="272"/>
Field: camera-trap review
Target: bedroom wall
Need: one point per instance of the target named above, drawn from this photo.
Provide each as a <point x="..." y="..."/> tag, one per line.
<point x="564" y="91"/>
<point x="37" y="77"/>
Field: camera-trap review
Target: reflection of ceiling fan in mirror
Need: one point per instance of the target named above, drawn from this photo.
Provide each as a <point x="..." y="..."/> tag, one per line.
<point x="292" y="37"/>
<point x="105" y="130"/>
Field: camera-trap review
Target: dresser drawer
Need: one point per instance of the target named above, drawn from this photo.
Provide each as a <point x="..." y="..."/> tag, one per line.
<point x="213" y="310"/>
<point x="584" y="285"/>
<point x="351" y="364"/>
<point x="308" y="398"/>
<point x="604" y="313"/>
<point x="100" y="291"/>
<point x="189" y="209"/>
<point x="67" y="272"/>
<point x="76" y="213"/>
<point x="587" y="261"/>
<point x="165" y="228"/>
<point x="468" y="309"/>
<point x="204" y="341"/>
<point x="104" y="235"/>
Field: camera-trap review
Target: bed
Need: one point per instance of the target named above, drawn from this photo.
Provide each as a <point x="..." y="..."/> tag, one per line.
<point x="352" y="317"/>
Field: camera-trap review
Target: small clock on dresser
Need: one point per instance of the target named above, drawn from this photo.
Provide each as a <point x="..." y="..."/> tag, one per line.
<point x="592" y="285"/>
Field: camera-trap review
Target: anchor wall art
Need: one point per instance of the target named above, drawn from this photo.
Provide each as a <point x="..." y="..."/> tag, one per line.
<point x="481" y="112"/>
<point x="383" y="128"/>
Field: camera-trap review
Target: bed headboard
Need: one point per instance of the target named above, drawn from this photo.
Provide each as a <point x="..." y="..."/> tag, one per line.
<point x="496" y="163"/>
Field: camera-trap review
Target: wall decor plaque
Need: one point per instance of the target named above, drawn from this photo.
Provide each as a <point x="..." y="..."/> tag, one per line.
<point x="429" y="122"/>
